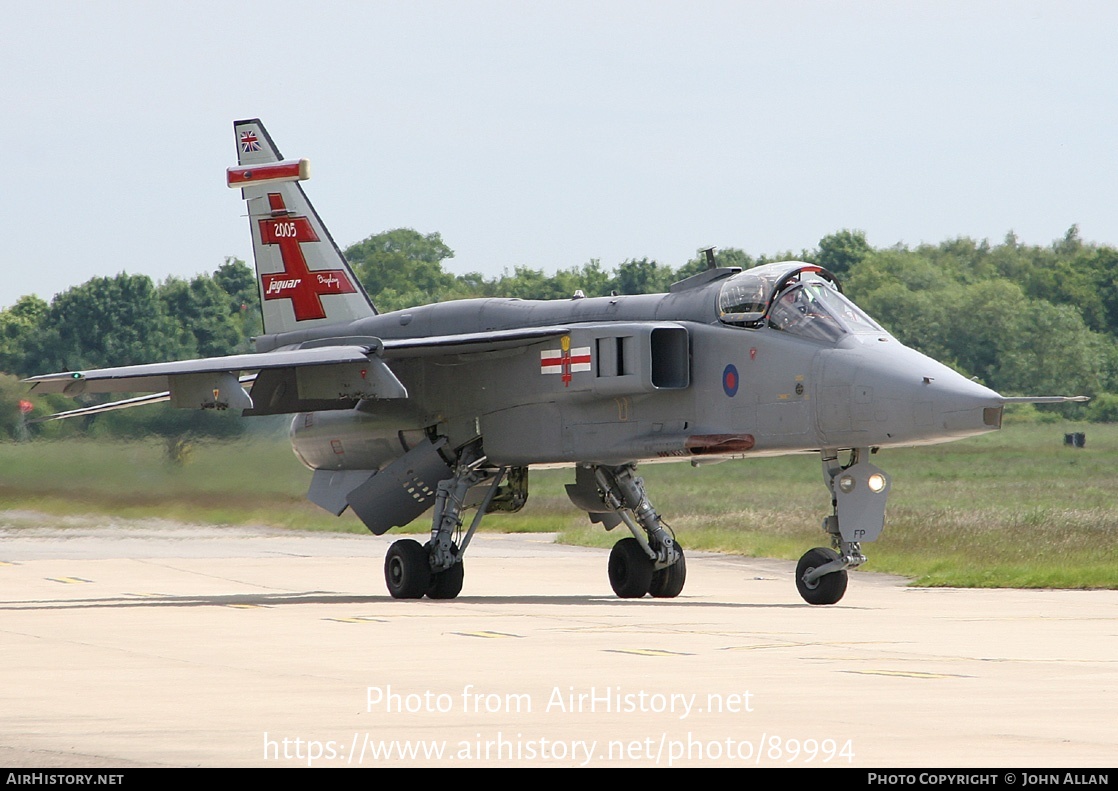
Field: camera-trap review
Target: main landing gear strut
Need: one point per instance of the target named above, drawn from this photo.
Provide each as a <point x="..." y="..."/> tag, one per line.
<point x="858" y="494"/>
<point x="651" y="561"/>
<point x="435" y="569"/>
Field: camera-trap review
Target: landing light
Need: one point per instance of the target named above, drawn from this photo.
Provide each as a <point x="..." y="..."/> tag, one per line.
<point x="846" y="484"/>
<point x="876" y="482"/>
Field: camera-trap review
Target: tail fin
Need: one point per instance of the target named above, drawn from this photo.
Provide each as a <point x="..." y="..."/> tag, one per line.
<point x="303" y="277"/>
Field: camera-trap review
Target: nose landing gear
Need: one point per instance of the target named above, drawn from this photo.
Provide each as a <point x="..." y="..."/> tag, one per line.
<point x="858" y="494"/>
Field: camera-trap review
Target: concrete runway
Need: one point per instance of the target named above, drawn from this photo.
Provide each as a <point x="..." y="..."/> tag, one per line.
<point x="152" y="644"/>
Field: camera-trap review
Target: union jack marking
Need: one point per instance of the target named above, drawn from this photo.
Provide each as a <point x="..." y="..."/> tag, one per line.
<point x="249" y="142"/>
<point x="565" y="362"/>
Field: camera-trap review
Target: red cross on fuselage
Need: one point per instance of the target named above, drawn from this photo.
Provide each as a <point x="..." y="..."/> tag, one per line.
<point x="296" y="282"/>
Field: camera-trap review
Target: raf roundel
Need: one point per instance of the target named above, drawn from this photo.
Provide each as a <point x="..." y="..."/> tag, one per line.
<point x="730" y="380"/>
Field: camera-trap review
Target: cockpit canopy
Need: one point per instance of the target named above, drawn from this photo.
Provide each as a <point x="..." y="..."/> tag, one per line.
<point x="794" y="297"/>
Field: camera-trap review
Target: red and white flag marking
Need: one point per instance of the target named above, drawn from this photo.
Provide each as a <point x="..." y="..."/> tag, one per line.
<point x="565" y="361"/>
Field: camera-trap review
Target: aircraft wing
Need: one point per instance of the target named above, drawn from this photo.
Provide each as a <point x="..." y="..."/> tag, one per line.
<point x="335" y="374"/>
<point x="154" y="377"/>
<point x="127" y="403"/>
<point x="468" y="342"/>
<point x="324" y="374"/>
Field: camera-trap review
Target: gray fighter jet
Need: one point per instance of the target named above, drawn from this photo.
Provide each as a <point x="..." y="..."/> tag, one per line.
<point x="445" y="407"/>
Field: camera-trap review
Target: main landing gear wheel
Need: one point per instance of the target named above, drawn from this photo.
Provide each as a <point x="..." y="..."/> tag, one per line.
<point x="407" y="572"/>
<point x="829" y="588"/>
<point x="447" y="584"/>
<point x="630" y="569"/>
<point x="667" y="583"/>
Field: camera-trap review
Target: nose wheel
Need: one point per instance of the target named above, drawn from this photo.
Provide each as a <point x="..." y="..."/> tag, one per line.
<point x="825" y="589"/>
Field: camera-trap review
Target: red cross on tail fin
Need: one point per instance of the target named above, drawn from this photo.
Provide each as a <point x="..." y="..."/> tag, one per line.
<point x="303" y="277"/>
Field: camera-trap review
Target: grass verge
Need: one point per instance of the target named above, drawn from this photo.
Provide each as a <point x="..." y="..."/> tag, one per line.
<point x="1011" y="509"/>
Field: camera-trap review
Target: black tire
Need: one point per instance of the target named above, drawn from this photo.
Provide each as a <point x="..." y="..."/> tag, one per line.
<point x="407" y="572"/>
<point x="447" y="584"/>
<point x="667" y="583"/>
<point x="829" y="588"/>
<point x="630" y="570"/>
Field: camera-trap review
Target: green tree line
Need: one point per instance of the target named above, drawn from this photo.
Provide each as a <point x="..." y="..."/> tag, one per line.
<point x="1022" y="319"/>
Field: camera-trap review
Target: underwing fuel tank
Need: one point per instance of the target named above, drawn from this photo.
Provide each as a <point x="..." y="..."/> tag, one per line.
<point x="349" y="440"/>
<point x="876" y="391"/>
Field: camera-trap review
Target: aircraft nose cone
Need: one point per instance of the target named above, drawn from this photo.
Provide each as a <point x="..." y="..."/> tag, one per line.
<point x="961" y="407"/>
<point x="898" y="396"/>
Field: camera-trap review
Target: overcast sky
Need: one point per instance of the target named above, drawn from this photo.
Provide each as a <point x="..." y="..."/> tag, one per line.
<point x="550" y="133"/>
